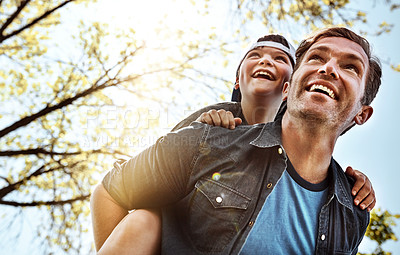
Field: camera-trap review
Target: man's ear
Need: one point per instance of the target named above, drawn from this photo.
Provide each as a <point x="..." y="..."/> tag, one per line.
<point x="363" y="115"/>
<point x="285" y="91"/>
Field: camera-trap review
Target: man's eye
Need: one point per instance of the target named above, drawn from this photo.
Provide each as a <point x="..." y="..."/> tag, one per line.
<point x="352" y="68"/>
<point x="315" y="57"/>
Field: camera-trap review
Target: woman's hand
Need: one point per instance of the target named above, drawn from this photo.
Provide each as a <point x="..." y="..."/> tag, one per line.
<point x="362" y="189"/>
<point x="220" y="118"/>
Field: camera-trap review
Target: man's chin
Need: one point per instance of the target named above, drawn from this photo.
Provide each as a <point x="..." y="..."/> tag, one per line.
<point x="314" y="113"/>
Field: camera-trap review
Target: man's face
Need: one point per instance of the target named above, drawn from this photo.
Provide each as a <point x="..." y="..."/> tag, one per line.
<point x="263" y="72"/>
<point x="330" y="82"/>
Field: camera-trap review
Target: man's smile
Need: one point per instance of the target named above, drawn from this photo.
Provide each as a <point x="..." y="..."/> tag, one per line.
<point x="322" y="87"/>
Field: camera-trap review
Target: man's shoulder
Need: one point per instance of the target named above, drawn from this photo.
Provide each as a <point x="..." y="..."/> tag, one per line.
<point x="338" y="171"/>
<point x="342" y="182"/>
<point x="343" y="185"/>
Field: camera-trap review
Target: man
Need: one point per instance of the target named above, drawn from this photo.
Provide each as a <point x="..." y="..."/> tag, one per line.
<point x="266" y="188"/>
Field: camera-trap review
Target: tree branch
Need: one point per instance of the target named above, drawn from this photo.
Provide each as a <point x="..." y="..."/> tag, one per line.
<point x="4" y="191"/>
<point x="40" y="203"/>
<point x="33" y="22"/>
<point x="11" y="18"/>
<point x="2" y="177"/>
<point x="37" y="151"/>
<point x="13" y="186"/>
<point x="113" y="82"/>
<point x="28" y="119"/>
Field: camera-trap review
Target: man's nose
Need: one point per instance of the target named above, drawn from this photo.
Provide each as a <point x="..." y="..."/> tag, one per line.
<point x="329" y="68"/>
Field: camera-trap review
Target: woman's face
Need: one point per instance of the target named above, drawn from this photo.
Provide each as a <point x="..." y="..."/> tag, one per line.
<point x="263" y="72"/>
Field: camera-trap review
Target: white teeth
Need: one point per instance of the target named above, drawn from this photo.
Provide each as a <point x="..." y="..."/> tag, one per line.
<point x="323" y="88"/>
<point x="263" y="73"/>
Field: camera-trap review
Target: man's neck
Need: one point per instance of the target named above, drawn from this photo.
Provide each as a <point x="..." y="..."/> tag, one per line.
<point x="309" y="147"/>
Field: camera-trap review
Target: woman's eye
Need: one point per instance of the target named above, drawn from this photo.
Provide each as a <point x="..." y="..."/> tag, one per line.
<point x="281" y="58"/>
<point x="253" y="54"/>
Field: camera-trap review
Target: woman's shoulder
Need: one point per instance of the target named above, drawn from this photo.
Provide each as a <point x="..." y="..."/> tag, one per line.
<point x="233" y="107"/>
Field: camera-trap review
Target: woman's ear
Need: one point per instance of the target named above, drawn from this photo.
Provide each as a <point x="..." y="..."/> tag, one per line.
<point x="237" y="83"/>
<point x="285" y="91"/>
<point x="363" y="115"/>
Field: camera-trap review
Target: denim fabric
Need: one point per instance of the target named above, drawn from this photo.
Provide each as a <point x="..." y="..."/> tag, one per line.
<point x="212" y="182"/>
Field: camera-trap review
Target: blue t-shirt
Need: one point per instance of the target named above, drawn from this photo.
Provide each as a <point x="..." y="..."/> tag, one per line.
<point x="288" y="220"/>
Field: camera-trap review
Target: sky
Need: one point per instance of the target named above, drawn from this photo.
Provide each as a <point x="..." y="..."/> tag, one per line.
<point x="374" y="147"/>
<point x="371" y="148"/>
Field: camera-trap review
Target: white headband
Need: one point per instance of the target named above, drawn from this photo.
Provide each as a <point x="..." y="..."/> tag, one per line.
<point x="290" y="51"/>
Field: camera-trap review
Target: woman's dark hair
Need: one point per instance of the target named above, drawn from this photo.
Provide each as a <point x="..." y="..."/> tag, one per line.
<point x="236" y="94"/>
